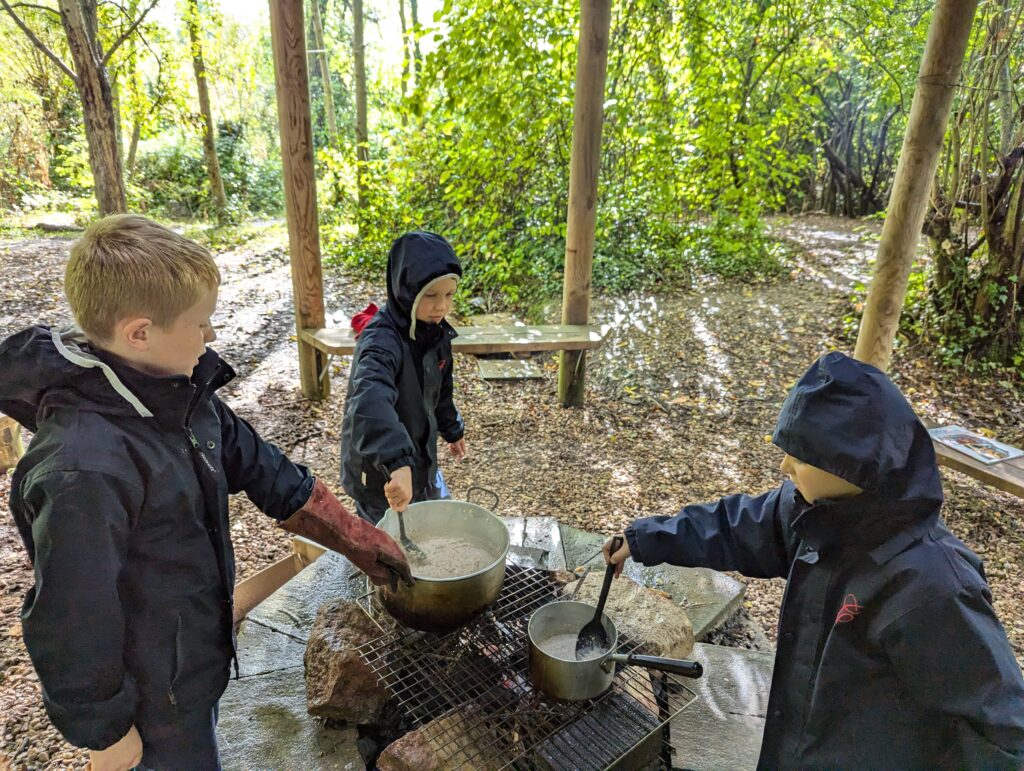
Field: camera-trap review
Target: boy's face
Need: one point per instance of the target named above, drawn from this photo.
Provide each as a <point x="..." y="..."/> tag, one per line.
<point x="172" y="350"/>
<point x="815" y="484"/>
<point x="436" y="302"/>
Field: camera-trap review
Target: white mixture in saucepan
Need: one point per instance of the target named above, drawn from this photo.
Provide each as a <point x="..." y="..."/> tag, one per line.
<point x="449" y="557"/>
<point x="563" y="646"/>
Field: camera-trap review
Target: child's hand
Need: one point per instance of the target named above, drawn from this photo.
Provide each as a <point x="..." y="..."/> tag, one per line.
<point x="458" y="448"/>
<point x="124" y="754"/>
<point x="399" y="490"/>
<point x="618" y="559"/>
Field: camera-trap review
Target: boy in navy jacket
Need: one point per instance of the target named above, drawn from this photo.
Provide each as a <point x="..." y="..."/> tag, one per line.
<point x="889" y="652"/>
<point x="400" y="388"/>
<point x="122" y="500"/>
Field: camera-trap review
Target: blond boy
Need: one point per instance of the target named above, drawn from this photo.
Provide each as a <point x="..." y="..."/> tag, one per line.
<point x="122" y="500"/>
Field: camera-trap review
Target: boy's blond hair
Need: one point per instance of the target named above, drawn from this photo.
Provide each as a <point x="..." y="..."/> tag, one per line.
<point x="126" y="265"/>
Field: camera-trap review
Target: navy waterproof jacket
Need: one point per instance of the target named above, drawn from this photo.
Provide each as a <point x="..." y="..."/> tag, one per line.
<point x="889" y="653"/>
<point x="400" y="387"/>
<point x="122" y="503"/>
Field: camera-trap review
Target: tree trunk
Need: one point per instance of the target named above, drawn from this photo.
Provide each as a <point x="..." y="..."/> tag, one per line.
<point x="133" y="147"/>
<point x="220" y="201"/>
<point x="406" y="56"/>
<point x="78" y="18"/>
<point x="115" y="105"/>
<point x="417" y="57"/>
<point x="325" y="72"/>
<point x="362" y="133"/>
<point x="588" y="114"/>
<point x="937" y="79"/>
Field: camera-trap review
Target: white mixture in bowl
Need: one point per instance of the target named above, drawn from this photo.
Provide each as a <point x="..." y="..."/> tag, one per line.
<point x="450" y="557"/>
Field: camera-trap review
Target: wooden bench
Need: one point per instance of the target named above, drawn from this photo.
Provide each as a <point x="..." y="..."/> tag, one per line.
<point x="505" y="338"/>
<point x="1007" y="475"/>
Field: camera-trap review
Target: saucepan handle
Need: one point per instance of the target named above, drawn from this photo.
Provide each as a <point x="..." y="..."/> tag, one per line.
<point x="682" y="667"/>
<point x="494" y="497"/>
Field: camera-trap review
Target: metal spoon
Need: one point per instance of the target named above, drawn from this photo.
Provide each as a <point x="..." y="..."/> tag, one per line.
<point x="593" y="637"/>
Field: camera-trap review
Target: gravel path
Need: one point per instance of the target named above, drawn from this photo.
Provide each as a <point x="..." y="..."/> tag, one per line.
<point x="682" y="398"/>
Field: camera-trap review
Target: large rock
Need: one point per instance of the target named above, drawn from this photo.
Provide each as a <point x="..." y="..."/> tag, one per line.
<point x="452" y="741"/>
<point x="339" y="684"/>
<point x="655" y="622"/>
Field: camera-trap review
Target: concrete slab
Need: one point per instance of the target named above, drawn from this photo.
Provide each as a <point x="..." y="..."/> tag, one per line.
<point x="263" y="723"/>
<point x="292" y="608"/>
<point x="708" y="596"/>
<point x="262" y="650"/>
<point x="722" y="728"/>
<point x="535" y="542"/>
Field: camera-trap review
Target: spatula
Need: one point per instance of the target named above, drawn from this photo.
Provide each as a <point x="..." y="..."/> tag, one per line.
<point x="412" y="549"/>
<point x="593" y="637"/>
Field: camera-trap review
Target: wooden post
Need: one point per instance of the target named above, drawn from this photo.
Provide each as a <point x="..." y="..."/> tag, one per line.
<point x="940" y="70"/>
<point x="11" y="448"/>
<point x="588" y="113"/>
<point x="287" y="31"/>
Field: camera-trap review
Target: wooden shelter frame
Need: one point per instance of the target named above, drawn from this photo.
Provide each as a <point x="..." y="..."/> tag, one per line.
<point x="948" y="35"/>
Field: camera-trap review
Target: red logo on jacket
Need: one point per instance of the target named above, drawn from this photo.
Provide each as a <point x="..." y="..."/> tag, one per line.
<point x="442" y="364"/>
<point x="848" y="609"/>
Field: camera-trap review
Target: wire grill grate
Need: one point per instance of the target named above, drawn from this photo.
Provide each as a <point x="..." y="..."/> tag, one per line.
<point x="470" y="695"/>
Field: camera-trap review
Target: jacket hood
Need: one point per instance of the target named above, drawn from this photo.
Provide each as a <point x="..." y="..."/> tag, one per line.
<point x="43" y="367"/>
<point x="40" y="361"/>
<point x="414" y="261"/>
<point x="847" y="418"/>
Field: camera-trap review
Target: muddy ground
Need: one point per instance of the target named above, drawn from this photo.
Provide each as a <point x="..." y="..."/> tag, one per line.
<point x="681" y="401"/>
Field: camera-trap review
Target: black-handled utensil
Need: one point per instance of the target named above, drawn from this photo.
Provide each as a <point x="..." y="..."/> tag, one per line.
<point x="412" y="549"/>
<point x="683" y="667"/>
<point x="593" y="637"/>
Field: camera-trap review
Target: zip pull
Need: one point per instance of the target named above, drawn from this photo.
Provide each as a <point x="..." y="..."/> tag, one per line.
<point x="191" y="437"/>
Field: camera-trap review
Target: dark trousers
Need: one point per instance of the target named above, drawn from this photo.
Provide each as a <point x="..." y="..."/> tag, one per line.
<point x="188" y="741"/>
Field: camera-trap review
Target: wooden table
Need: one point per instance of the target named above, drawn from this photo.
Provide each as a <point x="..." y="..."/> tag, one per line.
<point x="503" y="338"/>
<point x="1007" y="475"/>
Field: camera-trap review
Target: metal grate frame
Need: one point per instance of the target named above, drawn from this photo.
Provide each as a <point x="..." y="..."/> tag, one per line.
<point x="469" y="691"/>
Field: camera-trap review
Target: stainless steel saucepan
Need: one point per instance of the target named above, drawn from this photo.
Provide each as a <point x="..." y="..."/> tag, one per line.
<point x="442" y="604"/>
<point x="560" y="675"/>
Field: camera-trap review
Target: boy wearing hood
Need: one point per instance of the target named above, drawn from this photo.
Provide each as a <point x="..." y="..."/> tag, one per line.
<point x="889" y="653"/>
<point x="122" y="500"/>
<point x="400" y="387"/>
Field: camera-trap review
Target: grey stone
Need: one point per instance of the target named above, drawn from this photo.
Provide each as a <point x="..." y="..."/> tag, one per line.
<point x="263" y="724"/>
<point x="292" y="608"/>
<point x="262" y="649"/>
<point x="723" y="726"/>
<point x="709" y="597"/>
<point x="535" y="542"/>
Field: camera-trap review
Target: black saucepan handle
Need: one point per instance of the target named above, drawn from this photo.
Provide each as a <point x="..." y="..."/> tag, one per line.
<point x="682" y="667"/>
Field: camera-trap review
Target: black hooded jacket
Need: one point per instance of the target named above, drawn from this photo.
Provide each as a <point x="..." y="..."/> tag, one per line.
<point x="122" y="503"/>
<point x="400" y="387"/>
<point x="889" y="653"/>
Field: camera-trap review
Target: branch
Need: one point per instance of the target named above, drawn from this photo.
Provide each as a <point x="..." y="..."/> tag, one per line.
<point x="39" y="43"/>
<point x="127" y="33"/>
<point x="54" y="11"/>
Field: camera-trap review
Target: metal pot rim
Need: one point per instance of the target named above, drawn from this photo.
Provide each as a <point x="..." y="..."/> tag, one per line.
<point x="500" y="559"/>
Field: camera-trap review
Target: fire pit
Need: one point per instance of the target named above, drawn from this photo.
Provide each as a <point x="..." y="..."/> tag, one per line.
<point x="469" y="696"/>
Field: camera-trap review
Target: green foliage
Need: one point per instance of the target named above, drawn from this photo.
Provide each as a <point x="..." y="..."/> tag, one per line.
<point x="171" y="181"/>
